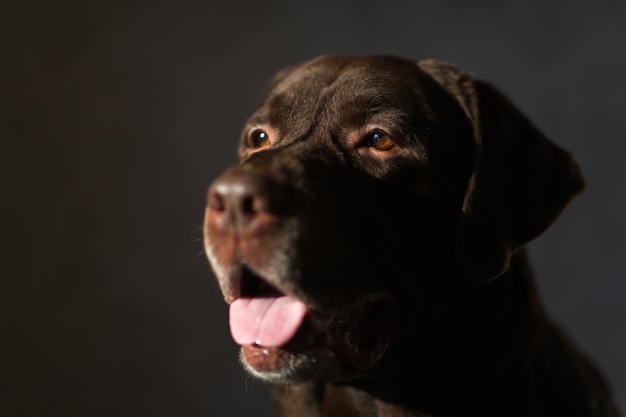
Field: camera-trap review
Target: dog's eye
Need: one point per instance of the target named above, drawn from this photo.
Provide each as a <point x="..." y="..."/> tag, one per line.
<point x="381" y="141"/>
<point x="259" y="139"/>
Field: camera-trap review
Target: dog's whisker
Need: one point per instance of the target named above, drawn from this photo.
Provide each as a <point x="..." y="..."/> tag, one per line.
<point x="194" y="259"/>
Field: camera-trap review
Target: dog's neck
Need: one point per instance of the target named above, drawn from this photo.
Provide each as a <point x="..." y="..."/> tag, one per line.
<point x="473" y="371"/>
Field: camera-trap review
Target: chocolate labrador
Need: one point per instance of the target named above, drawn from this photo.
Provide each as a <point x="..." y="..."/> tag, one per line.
<point x="370" y="243"/>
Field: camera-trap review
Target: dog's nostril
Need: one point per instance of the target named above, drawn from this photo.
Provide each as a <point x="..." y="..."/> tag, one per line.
<point x="248" y="205"/>
<point x="215" y="200"/>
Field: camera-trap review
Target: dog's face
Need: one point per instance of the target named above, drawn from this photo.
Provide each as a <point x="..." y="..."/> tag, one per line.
<point x="336" y="237"/>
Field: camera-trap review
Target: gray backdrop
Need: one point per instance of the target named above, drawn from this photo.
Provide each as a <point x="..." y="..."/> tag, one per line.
<point x="114" y="118"/>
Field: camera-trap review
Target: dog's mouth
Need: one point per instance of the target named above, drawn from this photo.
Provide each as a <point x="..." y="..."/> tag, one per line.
<point x="273" y="326"/>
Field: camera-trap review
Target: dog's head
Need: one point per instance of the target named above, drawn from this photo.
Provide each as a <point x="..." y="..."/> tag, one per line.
<point x="368" y="190"/>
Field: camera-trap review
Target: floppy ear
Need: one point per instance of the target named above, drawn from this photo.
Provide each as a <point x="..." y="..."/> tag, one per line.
<point x="521" y="180"/>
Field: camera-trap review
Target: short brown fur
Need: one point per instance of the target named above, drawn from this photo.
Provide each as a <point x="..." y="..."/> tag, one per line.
<point x="430" y="238"/>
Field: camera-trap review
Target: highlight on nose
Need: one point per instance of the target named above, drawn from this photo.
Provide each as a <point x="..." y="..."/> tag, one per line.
<point x="239" y="199"/>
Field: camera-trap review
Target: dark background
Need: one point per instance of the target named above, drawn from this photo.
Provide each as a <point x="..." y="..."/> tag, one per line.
<point x="114" y="118"/>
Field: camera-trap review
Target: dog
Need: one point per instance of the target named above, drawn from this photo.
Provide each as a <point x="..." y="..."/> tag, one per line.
<point x="371" y="243"/>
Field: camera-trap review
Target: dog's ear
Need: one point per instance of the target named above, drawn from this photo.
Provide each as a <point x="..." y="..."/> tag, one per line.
<point x="521" y="180"/>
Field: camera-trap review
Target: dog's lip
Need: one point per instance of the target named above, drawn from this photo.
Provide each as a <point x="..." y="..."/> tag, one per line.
<point x="361" y="334"/>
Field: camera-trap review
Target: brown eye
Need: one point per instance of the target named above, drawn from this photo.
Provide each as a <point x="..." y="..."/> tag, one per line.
<point x="380" y="141"/>
<point x="259" y="139"/>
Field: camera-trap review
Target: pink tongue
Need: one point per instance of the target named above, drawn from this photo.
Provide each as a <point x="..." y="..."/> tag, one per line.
<point x="269" y="322"/>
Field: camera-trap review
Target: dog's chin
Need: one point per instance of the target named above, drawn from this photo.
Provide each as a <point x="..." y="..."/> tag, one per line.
<point x="281" y="366"/>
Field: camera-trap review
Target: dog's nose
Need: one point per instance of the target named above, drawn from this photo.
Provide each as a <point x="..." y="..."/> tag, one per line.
<point x="239" y="199"/>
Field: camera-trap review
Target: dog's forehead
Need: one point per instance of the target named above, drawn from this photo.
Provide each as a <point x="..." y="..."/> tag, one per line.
<point x="343" y="78"/>
<point x="326" y="85"/>
<point x="330" y="71"/>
